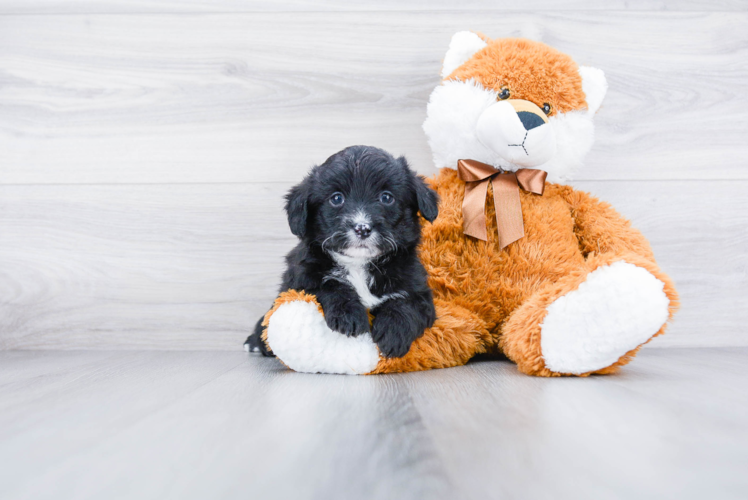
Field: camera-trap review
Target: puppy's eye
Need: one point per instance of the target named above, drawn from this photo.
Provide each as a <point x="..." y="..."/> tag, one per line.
<point x="387" y="198"/>
<point x="337" y="199"/>
<point x="547" y="109"/>
<point x="504" y="94"/>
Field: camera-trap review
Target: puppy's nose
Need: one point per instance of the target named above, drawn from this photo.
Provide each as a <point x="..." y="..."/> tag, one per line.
<point x="530" y="120"/>
<point x="362" y="230"/>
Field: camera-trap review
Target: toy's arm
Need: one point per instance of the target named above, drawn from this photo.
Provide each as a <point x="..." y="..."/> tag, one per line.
<point x="602" y="230"/>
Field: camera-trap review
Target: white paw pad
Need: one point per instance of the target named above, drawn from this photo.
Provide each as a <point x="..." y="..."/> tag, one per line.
<point x="617" y="308"/>
<point x="299" y="336"/>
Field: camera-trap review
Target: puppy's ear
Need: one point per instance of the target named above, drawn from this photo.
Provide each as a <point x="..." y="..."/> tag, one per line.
<point x="428" y="200"/>
<point x="297" y="207"/>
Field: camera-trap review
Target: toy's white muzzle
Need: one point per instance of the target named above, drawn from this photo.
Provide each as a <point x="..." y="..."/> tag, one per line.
<point x="518" y="131"/>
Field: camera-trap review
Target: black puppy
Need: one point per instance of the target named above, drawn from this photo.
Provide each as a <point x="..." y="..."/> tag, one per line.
<point x="357" y="218"/>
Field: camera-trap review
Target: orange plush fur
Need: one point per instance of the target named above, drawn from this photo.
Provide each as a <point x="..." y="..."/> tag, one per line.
<point x="499" y="297"/>
<point x="531" y="70"/>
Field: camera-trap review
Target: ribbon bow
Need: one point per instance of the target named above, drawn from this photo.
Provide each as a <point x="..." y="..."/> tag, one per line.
<point x="505" y="198"/>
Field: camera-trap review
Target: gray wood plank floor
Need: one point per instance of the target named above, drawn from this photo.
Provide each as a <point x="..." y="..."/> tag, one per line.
<point x="153" y="425"/>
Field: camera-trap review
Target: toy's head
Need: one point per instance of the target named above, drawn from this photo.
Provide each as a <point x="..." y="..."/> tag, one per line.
<point x="513" y="103"/>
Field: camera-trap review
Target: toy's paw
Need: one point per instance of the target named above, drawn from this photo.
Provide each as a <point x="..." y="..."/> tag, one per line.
<point x="351" y="321"/>
<point x="616" y="309"/>
<point x="298" y="334"/>
<point x="393" y="335"/>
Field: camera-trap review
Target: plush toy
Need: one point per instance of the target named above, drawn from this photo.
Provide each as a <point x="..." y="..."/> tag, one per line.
<point x="520" y="263"/>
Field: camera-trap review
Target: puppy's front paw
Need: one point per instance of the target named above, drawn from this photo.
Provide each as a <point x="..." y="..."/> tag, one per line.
<point x="394" y="335"/>
<point x="394" y="347"/>
<point x="350" y="321"/>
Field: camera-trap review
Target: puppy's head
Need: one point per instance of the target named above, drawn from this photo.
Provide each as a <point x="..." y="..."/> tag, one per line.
<point x="361" y="203"/>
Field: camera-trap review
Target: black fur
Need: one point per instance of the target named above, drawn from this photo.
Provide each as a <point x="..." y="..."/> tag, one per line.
<point x="362" y="174"/>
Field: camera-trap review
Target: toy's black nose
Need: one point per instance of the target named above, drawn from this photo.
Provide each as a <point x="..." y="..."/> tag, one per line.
<point x="362" y="230"/>
<point x="530" y="120"/>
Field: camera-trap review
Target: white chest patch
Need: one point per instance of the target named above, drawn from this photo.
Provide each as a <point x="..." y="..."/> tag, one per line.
<point x="354" y="271"/>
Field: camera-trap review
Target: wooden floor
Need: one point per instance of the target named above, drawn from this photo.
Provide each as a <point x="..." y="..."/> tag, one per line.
<point x="212" y="424"/>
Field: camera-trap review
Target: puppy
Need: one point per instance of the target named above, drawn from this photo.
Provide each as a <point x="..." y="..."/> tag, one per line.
<point x="357" y="218"/>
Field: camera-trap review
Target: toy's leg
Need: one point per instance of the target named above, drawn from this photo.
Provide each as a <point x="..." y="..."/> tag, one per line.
<point x="296" y="331"/>
<point x="593" y="320"/>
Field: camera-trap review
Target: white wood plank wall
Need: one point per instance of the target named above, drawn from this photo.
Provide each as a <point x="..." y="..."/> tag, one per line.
<point x="145" y="148"/>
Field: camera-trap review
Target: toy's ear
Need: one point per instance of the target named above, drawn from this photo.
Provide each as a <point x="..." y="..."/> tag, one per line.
<point x="594" y="85"/>
<point x="462" y="47"/>
<point x="297" y="207"/>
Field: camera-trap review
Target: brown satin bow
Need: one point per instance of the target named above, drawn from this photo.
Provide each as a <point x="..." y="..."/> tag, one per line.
<point x="505" y="198"/>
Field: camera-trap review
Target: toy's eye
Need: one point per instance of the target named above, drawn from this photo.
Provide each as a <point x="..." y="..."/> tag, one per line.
<point x="547" y="109"/>
<point x="387" y="198"/>
<point x="337" y="199"/>
<point x="504" y="94"/>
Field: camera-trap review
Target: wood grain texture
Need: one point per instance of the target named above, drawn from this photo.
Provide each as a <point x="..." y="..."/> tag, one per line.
<point x="143" y="157"/>
<point x="642" y="434"/>
<point x="194" y="266"/>
<point x="223" y="425"/>
<point x="188" y="266"/>
<point x="261" y="96"/>
<point x="202" y="6"/>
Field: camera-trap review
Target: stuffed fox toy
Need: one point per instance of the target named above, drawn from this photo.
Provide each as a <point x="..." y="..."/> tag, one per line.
<point x="520" y="263"/>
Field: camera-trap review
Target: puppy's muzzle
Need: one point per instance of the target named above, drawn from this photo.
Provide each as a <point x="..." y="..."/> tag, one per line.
<point x="518" y="131"/>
